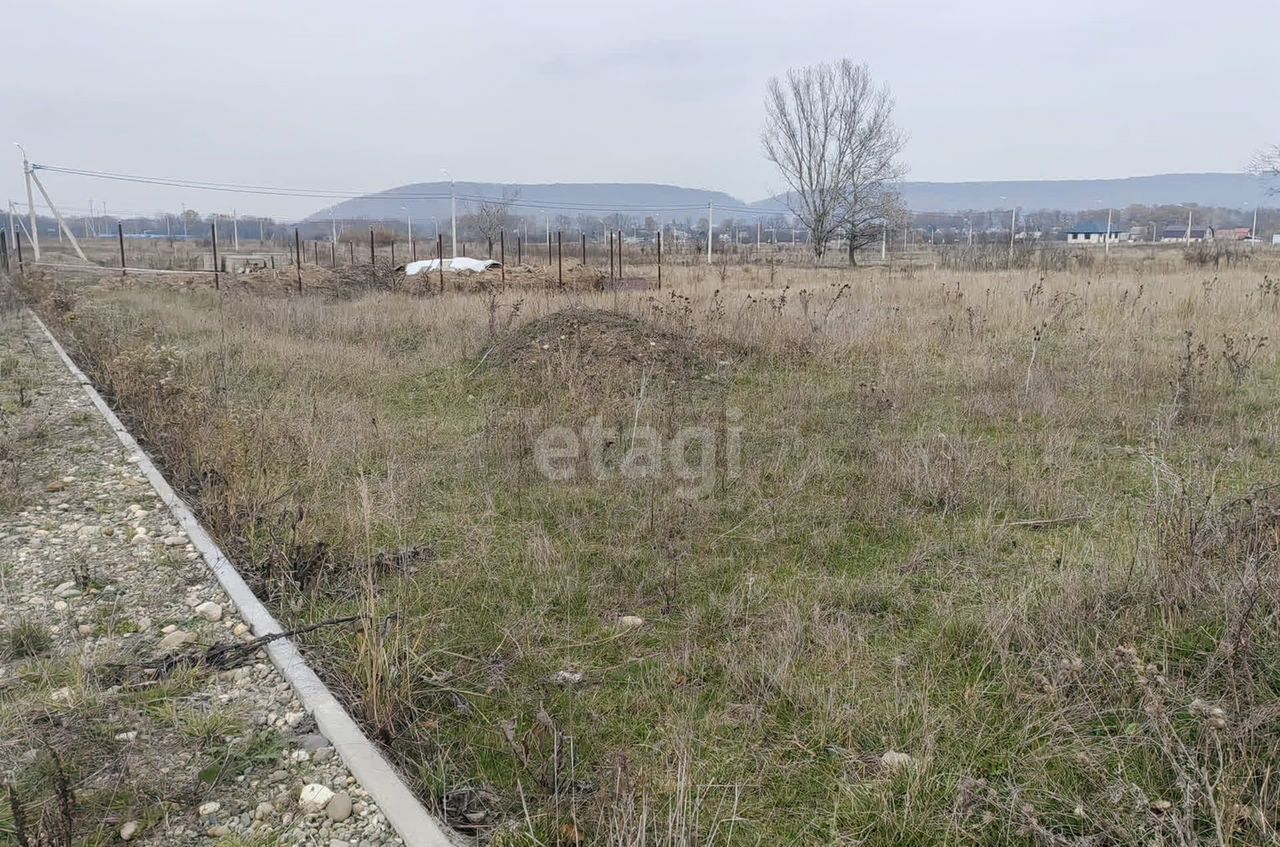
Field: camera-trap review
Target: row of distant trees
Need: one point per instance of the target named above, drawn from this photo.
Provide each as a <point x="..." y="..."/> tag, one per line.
<point x="481" y="225"/>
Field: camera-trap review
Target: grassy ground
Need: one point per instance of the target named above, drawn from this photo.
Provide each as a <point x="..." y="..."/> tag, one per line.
<point x="989" y="521"/>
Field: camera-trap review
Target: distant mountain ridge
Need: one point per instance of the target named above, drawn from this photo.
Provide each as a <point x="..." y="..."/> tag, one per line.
<point x="426" y="200"/>
<point x="599" y="199"/>
<point x="1226" y="190"/>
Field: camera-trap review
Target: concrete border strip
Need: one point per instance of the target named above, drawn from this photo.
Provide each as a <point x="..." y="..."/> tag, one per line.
<point x="414" y="824"/>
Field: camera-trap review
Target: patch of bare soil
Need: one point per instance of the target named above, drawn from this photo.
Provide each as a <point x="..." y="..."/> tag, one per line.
<point x="604" y="342"/>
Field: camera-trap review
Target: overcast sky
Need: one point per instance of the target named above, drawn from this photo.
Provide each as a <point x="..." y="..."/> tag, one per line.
<point x="365" y="96"/>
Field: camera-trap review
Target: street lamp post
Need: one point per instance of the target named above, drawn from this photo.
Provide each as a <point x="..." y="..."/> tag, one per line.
<point x="409" y="215"/>
<point x="453" y="211"/>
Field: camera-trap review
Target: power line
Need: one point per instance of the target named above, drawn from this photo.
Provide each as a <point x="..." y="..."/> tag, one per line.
<point x="384" y="197"/>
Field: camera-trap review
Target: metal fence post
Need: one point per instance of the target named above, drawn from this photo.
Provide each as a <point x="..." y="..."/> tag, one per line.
<point x="659" y="260"/>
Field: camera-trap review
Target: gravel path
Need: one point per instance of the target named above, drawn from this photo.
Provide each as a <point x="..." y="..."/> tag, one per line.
<point x="95" y="580"/>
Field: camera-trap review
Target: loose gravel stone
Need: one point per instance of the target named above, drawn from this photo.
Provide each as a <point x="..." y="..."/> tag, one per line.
<point x="210" y="611"/>
<point x="175" y="639"/>
<point x="314" y="797"/>
<point x="338" y="808"/>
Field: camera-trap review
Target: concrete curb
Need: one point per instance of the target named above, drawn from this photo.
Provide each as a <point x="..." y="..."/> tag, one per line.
<point x="398" y="804"/>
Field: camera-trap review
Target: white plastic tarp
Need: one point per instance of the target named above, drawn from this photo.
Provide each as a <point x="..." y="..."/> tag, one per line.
<point x="461" y="263"/>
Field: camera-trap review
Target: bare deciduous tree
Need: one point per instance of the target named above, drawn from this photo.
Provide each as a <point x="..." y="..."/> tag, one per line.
<point x="830" y="131"/>
<point x="492" y="217"/>
<point x="1267" y="163"/>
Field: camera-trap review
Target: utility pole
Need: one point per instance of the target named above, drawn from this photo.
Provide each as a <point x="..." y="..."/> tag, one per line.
<point x="31" y="203"/>
<point x="711" y="210"/>
<point x="453" y="210"/>
<point x="1106" y="241"/>
<point x="1013" y="228"/>
<point x="1188" y="227"/>
<point x="235" y="229"/>
<point x="62" y="225"/>
<point x="1253" y="233"/>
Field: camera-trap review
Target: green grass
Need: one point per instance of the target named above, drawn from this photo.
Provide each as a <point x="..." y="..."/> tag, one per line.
<point x="26" y="638"/>
<point x="873" y="580"/>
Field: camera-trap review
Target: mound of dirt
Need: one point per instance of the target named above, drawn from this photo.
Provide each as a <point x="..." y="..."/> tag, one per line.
<point x="603" y="341"/>
<point x="576" y="277"/>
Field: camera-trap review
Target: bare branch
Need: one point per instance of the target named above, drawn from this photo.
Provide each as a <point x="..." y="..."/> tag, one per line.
<point x="492" y="217"/>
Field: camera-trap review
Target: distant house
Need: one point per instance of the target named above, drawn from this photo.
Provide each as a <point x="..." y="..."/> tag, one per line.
<point x="1178" y="232"/>
<point x="1093" y="233"/>
<point x="1235" y="233"/>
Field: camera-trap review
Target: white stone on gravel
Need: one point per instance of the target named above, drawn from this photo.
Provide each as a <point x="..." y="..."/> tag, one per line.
<point x="209" y="610"/>
<point x="176" y="639"/>
<point x="129" y="830"/>
<point x="210" y="808"/>
<point x="314" y="797"/>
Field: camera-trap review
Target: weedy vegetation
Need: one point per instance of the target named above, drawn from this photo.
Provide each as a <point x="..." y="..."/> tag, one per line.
<point x="970" y="556"/>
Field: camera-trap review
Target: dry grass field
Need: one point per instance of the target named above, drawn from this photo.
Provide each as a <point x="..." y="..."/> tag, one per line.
<point x="820" y="556"/>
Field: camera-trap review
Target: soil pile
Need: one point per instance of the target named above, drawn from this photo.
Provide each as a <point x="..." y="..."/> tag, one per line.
<point x="600" y="341"/>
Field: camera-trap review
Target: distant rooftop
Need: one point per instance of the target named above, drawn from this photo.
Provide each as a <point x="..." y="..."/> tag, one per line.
<point x="1093" y="228"/>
